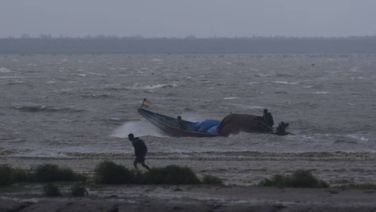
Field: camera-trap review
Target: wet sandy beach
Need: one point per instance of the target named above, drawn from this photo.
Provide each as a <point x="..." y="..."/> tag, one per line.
<point x="198" y="198"/>
<point x="242" y="168"/>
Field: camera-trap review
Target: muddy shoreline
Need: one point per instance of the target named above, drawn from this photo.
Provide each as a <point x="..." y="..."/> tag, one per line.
<point x="241" y="173"/>
<point x="243" y="168"/>
<point x="197" y="198"/>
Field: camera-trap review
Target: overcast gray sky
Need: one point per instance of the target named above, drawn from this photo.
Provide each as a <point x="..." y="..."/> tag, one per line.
<point x="179" y="18"/>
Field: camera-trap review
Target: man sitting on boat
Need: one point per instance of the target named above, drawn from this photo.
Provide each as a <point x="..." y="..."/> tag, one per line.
<point x="268" y="118"/>
<point x="180" y="122"/>
<point x="281" y="129"/>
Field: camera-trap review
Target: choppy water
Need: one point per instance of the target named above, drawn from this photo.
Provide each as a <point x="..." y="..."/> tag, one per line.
<point x="55" y="105"/>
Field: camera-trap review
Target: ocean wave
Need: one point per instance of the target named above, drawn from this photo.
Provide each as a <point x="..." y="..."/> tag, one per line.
<point x="245" y="106"/>
<point x="11" y="77"/>
<point x="152" y="87"/>
<point x="158" y="60"/>
<point x="253" y="83"/>
<point x="262" y="75"/>
<point x="230" y="98"/>
<point x="358" y="137"/>
<point x="344" y="141"/>
<point x="97" y="74"/>
<point x="139" y="128"/>
<point x="16" y="82"/>
<point x="285" y="82"/>
<point x="43" y="108"/>
<point x="81" y="75"/>
<point x="5" y="70"/>
<point x="321" y="92"/>
<point x="95" y="96"/>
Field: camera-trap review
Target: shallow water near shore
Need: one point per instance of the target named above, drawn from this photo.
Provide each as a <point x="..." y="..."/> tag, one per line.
<point x="69" y="107"/>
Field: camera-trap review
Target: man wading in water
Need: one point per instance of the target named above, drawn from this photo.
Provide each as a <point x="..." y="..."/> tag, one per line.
<point x="140" y="151"/>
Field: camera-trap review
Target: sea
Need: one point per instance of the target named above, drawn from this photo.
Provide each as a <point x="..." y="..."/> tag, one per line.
<point x="64" y="106"/>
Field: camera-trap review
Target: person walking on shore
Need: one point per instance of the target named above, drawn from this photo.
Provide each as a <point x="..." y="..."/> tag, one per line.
<point x="140" y="151"/>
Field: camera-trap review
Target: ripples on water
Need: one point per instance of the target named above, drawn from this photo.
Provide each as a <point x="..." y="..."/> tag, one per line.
<point x="52" y="105"/>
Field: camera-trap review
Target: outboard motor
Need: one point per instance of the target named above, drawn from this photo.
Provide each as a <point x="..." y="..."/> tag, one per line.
<point x="281" y="129"/>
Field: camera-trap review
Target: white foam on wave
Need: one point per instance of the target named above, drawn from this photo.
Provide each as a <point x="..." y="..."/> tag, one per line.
<point x="138" y="128"/>
<point x="152" y="87"/>
<point x="321" y="92"/>
<point x="195" y="117"/>
<point x="358" y="137"/>
<point x="5" y="70"/>
<point x="230" y="97"/>
<point x="11" y="77"/>
<point x="40" y="153"/>
<point x="82" y="75"/>
<point x="253" y="83"/>
<point x="158" y="60"/>
<point x="97" y="74"/>
<point x="358" y="78"/>
<point x="244" y="106"/>
<point x="354" y="69"/>
<point x="285" y="82"/>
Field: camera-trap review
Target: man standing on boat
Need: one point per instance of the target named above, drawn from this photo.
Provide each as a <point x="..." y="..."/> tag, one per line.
<point x="140" y="151"/>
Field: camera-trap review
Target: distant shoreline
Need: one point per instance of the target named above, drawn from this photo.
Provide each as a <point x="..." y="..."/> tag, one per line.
<point x="189" y="45"/>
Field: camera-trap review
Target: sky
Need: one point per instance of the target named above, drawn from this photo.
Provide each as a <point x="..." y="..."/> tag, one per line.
<point x="181" y="18"/>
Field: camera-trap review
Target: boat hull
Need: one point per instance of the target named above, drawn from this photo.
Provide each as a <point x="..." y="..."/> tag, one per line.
<point x="171" y="126"/>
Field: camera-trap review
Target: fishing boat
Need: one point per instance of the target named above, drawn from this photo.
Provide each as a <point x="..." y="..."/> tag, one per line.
<point x="231" y="124"/>
<point x="174" y="126"/>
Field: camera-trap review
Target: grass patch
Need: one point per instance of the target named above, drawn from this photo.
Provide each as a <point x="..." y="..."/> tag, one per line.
<point x="361" y="186"/>
<point x="43" y="173"/>
<point x="212" y="180"/>
<point x="299" y="179"/>
<point x="171" y="175"/>
<point x="9" y="175"/>
<point x="51" y="190"/>
<point x="108" y="172"/>
<point x="78" y="190"/>
<point x="53" y="173"/>
<point x="6" y="176"/>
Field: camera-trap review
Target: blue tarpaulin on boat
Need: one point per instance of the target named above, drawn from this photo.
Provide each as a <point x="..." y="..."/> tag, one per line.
<point x="208" y="125"/>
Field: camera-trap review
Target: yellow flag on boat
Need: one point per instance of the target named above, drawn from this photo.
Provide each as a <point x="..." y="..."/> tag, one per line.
<point x="146" y="103"/>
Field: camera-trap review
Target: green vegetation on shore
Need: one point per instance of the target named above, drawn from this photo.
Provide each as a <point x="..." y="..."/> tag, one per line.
<point x="171" y="175"/>
<point x="298" y="179"/>
<point x="53" y="173"/>
<point x="51" y="190"/>
<point x="110" y="173"/>
<point x="212" y="180"/>
<point x="9" y="175"/>
<point x="106" y="172"/>
<point x="360" y="186"/>
<point x="78" y="190"/>
<point x="42" y="174"/>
